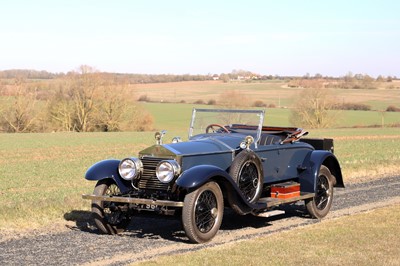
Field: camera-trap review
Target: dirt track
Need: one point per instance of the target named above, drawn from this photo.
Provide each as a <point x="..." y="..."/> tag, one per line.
<point x="149" y="237"/>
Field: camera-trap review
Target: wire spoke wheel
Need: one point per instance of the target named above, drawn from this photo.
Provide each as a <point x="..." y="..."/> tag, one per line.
<point x="112" y="213"/>
<point x="202" y="212"/>
<point x="319" y="206"/>
<point x="246" y="170"/>
<point x="205" y="212"/>
<point x="248" y="180"/>
<point x="109" y="217"/>
<point x="322" y="195"/>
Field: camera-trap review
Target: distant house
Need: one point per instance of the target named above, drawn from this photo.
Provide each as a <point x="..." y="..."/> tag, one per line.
<point x="215" y="77"/>
<point x="248" y="77"/>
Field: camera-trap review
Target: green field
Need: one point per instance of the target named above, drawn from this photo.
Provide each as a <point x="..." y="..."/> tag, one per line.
<point x="177" y="116"/>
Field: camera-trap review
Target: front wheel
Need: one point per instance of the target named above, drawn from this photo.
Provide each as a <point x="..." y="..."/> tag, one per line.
<point x="319" y="206"/>
<point x="109" y="217"/>
<point x="202" y="212"/>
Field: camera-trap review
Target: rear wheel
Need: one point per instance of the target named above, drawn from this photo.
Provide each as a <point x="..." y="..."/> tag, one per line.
<point x="319" y="206"/>
<point x="109" y="217"/>
<point x="202" y="212"/>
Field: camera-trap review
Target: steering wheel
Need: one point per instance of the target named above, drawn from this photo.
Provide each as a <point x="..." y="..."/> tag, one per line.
<point x="212" y="127"/>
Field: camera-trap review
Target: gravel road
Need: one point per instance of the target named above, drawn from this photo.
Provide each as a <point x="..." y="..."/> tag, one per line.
<point x="148" y="237"/>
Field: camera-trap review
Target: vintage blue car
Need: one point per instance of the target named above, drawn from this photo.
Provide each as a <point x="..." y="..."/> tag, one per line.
<point x="230" y="160"/>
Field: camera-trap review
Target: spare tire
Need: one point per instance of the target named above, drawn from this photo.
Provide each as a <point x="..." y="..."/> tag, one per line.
<point x="246" y="170"/>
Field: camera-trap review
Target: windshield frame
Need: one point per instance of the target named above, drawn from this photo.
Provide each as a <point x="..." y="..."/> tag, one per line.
<point x="260" y="113"/>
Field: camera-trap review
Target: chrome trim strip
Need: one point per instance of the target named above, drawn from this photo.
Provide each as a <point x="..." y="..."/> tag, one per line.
<point x="134" y="200"/>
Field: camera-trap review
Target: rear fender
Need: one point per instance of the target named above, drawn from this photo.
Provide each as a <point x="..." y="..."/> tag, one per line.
<point x="197" y="176"/>
<point x="314" y="161"/>
<point x="108" y="169"/>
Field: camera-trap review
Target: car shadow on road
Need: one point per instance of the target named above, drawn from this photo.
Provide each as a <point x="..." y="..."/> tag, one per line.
<point x="233" y="221"/>
<point x="82" y="220"/>
<point x="149" y="226"/>
<point x="143" y="226"/>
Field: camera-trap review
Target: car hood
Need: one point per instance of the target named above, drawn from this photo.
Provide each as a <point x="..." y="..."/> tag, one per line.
<point x="200" y="145"/>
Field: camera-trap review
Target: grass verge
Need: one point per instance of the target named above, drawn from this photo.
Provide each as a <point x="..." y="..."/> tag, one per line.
<point x="363" y="239"/>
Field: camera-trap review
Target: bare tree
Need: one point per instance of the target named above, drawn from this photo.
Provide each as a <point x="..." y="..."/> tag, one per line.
<point x="91" y="101"/>
<point x="84" y="87"/>
<point x="60" y="110"/>
<point x="21" y="115"/>
<point x="312" y="107"/>
<point x="111" y="107"/>
<point x="72" y="107"/>
<point x="139" y="119"/>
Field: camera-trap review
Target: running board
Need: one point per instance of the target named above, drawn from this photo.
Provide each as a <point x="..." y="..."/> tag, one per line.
<point x="269" y="202"/>
<point x="269" y="213"/>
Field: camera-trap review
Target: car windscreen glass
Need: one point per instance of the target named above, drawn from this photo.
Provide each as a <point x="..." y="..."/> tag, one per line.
<point x="213" y="121"/>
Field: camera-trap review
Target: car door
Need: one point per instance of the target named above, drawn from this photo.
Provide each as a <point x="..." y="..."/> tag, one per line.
<point x="282" y="161"/>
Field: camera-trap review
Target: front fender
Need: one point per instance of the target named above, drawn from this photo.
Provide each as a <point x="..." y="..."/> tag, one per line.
<point x="108" y="169"/>
<point x="199" y="175"/>
<point x="314" y="161"/>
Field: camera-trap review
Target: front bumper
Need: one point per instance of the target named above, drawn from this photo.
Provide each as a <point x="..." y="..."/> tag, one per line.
<point x="167" y="203"/>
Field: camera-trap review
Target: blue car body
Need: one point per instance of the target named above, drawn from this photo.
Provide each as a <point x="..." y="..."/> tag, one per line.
<point x="280" y="155"/>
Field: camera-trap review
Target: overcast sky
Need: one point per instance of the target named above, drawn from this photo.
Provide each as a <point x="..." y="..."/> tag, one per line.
<point x="200" y="37"/>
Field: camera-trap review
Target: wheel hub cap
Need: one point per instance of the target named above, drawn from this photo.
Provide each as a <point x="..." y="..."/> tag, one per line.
<point x="255" y="183"/>
<point x="214" y="212"/>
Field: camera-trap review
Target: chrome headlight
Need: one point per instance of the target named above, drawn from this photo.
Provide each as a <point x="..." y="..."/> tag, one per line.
<point x="130" y="168"/>
<point x="167" y="170"/>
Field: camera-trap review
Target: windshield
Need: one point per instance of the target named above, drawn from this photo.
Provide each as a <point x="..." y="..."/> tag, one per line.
<point x="213" y="121"/>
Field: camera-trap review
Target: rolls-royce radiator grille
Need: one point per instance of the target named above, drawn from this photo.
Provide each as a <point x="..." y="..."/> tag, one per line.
<point x="149" y="179"/>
